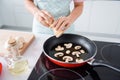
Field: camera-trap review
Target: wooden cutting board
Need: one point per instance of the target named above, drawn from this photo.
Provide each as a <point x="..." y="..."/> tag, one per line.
<point x="5" y="34"/>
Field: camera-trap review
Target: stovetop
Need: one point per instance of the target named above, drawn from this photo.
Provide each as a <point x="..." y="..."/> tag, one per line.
<point x="110" y="52"/>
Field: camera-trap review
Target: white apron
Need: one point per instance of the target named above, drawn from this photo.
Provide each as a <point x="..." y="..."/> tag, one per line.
<point x="56" y="8"/>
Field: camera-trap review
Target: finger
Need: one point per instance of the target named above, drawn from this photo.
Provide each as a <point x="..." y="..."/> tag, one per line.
<point x="40" y="18"/>
<point x="47" y="13"/>
<point x="67" y="25"/>
<point x="50" y="18"/>
<point x="42" y="21"/>
<point x="54" y="24"/>
<point x="60" y="21"/>
<point x="63" y="27"/>
<point x="50" y="21"/>
<point x="44" y="16"/>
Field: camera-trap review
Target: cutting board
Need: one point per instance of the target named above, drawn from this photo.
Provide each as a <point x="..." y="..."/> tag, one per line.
<point x="5" y="35"/>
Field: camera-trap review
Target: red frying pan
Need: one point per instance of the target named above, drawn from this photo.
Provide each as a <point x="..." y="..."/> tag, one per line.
<point x="70" y="38"/>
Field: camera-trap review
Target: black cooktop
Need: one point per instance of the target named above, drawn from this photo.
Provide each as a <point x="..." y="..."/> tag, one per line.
<point x="110" y="52"/>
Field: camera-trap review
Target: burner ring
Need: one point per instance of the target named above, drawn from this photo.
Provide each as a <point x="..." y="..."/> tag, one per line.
<point x="111" y="53"/>
<point x="58" y="72"/>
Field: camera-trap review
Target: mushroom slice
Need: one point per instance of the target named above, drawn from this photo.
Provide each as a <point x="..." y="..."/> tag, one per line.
<point x="79" y="60"/>
<point x="59" y="48"/>
<point x="77" y="53"/>
<point x="67" y="58"/>
<point x="82" y="51"/>
<point x="77" y="47"/>
<point x="11" y="41"/>
<point x="68" y="52"/>
<point x="59" y="54"/>
<point x="20" y="40"/>
<point x="21" y="45"/>
<point x="69" y="45"/>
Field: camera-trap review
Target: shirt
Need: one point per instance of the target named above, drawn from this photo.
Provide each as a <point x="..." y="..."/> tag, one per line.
<point x="78" y="0"/>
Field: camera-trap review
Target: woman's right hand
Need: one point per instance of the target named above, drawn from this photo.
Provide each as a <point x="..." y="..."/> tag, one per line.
<point x="44" y="17"/>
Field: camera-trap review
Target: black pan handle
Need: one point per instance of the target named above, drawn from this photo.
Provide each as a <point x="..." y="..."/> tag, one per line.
<point x="97" y="63"/>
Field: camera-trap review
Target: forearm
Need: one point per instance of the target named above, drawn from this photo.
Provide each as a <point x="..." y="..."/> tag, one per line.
<point x="29" y="4"/>
<point x="77" y="11"/>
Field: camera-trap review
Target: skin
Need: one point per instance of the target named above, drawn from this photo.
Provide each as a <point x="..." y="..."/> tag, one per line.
<point x="47" y="19"/>
<point x="42" y="16"/>
<point x="68" y="20"/>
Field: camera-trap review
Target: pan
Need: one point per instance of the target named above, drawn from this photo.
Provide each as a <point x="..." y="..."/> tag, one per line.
<point x="86" y="43"/>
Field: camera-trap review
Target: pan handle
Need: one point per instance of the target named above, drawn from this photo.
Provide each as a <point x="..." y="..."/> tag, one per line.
<point x="97" y="63"/>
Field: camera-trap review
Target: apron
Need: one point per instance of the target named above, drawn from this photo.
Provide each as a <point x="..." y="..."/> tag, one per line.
<point x="56" y="8"/>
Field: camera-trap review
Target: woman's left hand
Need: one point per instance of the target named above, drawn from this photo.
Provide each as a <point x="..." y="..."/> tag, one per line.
<point x="62" y="23"/>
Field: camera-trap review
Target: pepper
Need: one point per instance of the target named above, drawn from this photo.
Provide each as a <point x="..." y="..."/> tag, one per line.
<point x="0" y="68"/>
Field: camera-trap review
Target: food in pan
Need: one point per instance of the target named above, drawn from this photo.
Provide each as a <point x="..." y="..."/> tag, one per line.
<point x="79" y="60"/>
<point x="59" y="54"/>
<point x="76" y="53"/>
<point x="82" y="51"/>
<point x="68" y="45"/>
<point x="77" y="47"/>
<point x="59" y="48"/>
<point x="69" y="52"/>
<point x="67" y="58"/>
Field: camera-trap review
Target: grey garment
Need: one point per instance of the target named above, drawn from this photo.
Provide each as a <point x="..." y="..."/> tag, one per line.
<point x="56" y="8"/>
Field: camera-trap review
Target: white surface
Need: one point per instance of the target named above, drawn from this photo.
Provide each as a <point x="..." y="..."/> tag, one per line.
<point x="33" y="53"/>
<point x="82" y="23"/>
<point x="105" y="17"/>
<point x="98" y="16"/>
<point x="14" y="13"/>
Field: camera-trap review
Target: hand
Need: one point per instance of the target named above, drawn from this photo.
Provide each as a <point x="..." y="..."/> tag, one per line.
<point x="62" y="23"/>
<point x="44" y="17"/>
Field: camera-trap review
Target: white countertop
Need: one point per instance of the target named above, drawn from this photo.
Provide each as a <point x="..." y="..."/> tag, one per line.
<point x="33" y="53"/>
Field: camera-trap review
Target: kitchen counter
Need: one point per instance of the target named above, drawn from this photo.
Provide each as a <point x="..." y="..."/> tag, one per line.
<point x="32" y="54"/>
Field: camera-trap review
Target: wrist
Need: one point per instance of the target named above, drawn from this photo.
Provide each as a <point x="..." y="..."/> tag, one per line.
<point x="71" y="18"/>
<point x="35" y="11"/>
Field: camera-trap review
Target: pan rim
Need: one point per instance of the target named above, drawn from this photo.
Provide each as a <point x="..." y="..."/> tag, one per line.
<point x="70" y="63"/>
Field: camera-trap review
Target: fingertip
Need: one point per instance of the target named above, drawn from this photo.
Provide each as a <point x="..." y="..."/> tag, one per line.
<point x="51" y="26"/>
